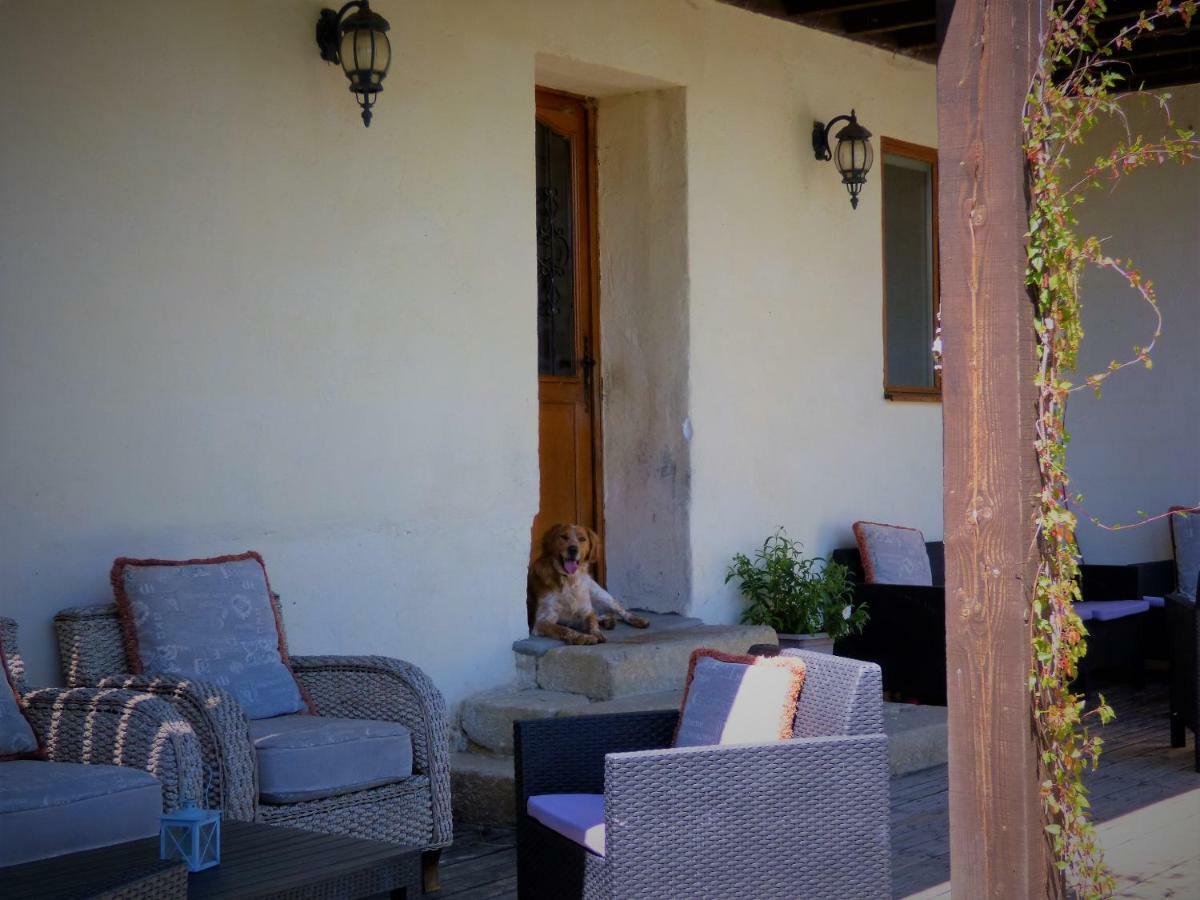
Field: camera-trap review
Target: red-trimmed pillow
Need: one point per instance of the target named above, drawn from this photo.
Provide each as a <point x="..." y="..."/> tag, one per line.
<point x="734" y="699"/>
<point x="213" y="620"/>
<point x="18" y="739"/>
<point x="892" y="554"/>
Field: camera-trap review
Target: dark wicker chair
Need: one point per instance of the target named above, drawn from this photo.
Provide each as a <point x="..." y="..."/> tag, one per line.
<point x="806" y="817"/>
<point x="1136" y="581"/>
<point x="1183" y="633"/>
<point x="906" y="632"/>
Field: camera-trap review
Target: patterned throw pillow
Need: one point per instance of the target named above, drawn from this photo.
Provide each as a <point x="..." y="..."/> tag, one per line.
<point x="1185" y="535"/>
<point x="892" y="554"/>
<point x="212" y="620"/>
<point x="17" y="739"/>
<point x="731" y="699"/>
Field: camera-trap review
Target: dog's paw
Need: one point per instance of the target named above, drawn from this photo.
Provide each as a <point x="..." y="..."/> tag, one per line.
<point x="638" y="622"/>
<point x="600" y="638"/>
<point x="586" y="639"/>
<point x="608" y="622"/>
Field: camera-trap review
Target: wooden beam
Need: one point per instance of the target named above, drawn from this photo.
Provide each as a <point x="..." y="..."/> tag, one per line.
<point x="997" y="843"/>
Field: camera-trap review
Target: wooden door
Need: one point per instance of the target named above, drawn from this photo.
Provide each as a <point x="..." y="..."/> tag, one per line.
<point x="567" y="345"/>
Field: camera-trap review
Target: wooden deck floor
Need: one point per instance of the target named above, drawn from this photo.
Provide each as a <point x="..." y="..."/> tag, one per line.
<point x="1137" y="769"/>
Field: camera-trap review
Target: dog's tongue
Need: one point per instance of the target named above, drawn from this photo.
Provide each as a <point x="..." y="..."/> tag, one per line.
<point x="570" y="566"/>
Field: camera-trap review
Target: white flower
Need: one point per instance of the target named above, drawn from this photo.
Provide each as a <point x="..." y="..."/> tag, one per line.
<point x="847" y="612"/>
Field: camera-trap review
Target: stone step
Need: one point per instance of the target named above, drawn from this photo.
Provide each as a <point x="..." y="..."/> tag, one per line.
<point x="632" y="661"/>
<point x="481" y="789"/>
<point x="918" y="737"/>
<point x="487" y="717"/>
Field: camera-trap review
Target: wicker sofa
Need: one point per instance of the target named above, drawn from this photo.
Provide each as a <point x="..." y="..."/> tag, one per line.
<point x="94" y="786"/>
<point x="806" y="817"/>
<point x="413" y="812"/>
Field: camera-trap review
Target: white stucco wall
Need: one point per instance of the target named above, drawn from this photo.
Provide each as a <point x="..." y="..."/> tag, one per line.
<point x="231" y="317"/>
<point x="1136" y="448"/>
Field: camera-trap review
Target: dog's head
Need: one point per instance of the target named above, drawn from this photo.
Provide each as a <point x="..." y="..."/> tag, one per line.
<point x="570" y="547"/>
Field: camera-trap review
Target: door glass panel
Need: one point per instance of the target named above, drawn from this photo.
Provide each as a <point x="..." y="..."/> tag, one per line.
<point x="555" y="255"/>
<point x="908" y="264"/>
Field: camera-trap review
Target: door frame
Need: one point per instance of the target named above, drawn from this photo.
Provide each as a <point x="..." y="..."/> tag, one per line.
<point x="590" y="188"/>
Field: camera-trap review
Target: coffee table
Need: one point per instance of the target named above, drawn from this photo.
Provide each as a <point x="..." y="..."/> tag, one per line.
<point x="260" y="861"/>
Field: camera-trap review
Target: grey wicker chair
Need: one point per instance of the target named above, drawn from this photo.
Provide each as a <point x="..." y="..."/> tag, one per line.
<point x="110" y="726"/>
<point x="414" y="812"/>
<point x="806" y="817"/>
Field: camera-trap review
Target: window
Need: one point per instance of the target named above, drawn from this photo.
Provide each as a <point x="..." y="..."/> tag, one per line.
<point x="910" y="271"/>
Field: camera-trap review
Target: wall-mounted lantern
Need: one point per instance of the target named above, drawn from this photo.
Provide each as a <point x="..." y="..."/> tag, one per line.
<point x="358" y="40"/>
<point x="853" y="155"/>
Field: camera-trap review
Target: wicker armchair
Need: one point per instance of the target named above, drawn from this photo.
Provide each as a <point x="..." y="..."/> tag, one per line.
<point x="110" y="727"/>
<point x="806" y="817"/>
<point x="413" y="812"/>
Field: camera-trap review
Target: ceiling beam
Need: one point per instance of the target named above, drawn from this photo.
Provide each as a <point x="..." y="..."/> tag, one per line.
<point x="893" y="27"/>
<point x="891" y="18"/>
<point x="823" y="7"/>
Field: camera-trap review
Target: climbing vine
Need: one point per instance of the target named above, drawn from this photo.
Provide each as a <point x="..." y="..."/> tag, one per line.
<point x="1077" y="83"/>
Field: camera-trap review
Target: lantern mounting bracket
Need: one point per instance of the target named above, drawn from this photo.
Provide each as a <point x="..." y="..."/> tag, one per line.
<point x="329" y="29"/>
<point x="820" y="135"/>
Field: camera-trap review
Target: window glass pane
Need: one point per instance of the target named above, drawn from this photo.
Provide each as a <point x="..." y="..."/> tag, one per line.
<point x="908" y="266"/>
<point x="555" y="255"/>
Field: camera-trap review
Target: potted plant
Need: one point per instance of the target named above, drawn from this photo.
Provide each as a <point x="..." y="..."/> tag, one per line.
<point x="807" y="600"/>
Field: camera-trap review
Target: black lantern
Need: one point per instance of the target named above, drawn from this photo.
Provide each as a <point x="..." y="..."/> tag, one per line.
<point x="358" y="40"/>
<point x="853" y="156"/>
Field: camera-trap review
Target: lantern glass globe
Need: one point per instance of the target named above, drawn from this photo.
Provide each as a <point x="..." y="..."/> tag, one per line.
<point x="365" y="54"/>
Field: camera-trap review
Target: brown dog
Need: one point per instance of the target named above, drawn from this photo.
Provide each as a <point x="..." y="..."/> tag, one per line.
<point x="562" y="599"/>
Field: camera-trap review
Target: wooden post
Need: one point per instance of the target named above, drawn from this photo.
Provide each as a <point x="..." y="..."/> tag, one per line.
<point x="997" y="844"/>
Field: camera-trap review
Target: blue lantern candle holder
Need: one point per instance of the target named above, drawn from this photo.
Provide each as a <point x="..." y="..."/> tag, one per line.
<point x="192" y="835"/>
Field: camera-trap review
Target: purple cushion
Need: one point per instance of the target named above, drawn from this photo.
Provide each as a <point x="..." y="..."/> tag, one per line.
<point x="1156" y="602"/>
<point x="578" y="817"/>
<point x="1107" y="610"/>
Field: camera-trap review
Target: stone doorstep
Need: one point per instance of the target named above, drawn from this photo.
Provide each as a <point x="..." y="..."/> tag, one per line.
<point x="659" y="622"/>
<point x="643" y="662"/>
<point x="482" y="784"/>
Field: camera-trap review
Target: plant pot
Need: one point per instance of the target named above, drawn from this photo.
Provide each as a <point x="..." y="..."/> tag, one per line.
<point x="815" y="643"/>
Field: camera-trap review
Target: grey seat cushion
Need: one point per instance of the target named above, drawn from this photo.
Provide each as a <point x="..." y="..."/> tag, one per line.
<point x="51" y="808"/>
<point x="213" y="620"/>
<point x="312" y="757"/>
